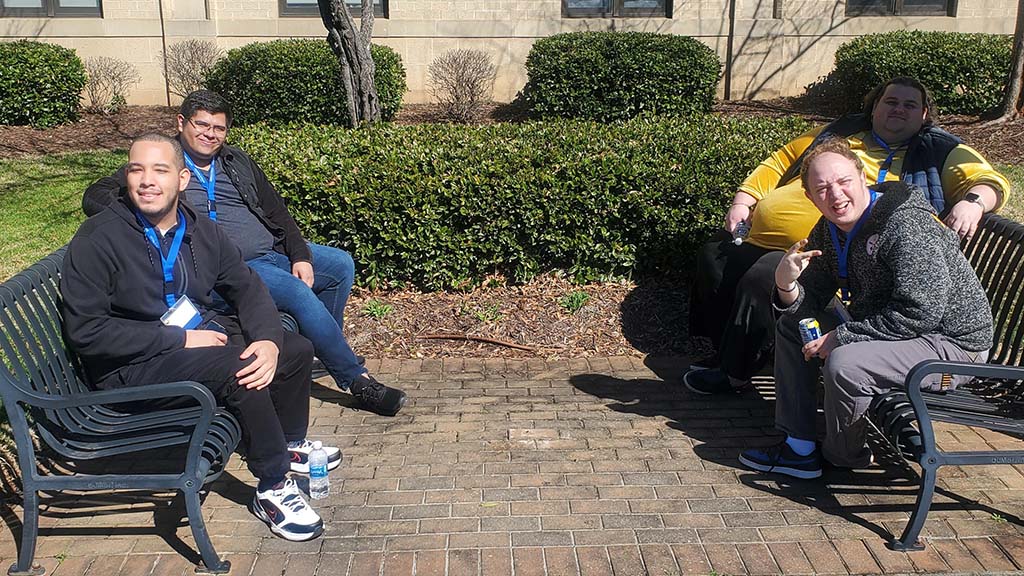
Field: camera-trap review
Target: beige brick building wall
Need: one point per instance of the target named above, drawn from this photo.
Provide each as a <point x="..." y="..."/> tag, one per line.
<point x="772" y="55"/>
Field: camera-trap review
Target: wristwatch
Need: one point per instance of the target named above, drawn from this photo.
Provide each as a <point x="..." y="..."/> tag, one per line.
<point x="972" y="197"/>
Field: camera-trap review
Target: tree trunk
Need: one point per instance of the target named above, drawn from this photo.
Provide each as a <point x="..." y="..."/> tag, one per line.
<point x="352" y="48"/>
<point x="1013" y="97"/>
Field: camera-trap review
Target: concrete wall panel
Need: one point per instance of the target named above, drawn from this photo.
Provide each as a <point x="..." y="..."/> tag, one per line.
<point x="772" y="55"/>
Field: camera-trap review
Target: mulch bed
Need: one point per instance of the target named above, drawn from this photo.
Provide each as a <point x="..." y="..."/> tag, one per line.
<point x="639" y="317"/>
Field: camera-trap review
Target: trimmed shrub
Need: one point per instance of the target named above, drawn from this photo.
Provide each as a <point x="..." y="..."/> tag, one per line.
<point x="441" y="206"/>
<point x="607" y="76"/>
<point x="389" y="77"/>
<point x="298" y="80"/>
<point x="40" y="84"/>
<point x="964" y="72"/>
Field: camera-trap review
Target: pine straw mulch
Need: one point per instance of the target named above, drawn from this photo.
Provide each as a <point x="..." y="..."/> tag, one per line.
<point x="647" y="316"/>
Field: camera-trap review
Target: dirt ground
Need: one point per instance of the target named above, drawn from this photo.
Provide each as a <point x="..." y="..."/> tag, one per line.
<point x="638" y="317"/>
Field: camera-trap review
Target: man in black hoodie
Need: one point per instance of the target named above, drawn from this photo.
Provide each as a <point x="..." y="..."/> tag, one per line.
<point x="911" y="294"/>
<point x="137" y="287"/>
<point x="310" y="281"/>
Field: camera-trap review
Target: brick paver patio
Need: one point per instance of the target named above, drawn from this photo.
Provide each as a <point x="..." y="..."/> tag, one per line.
<point x="589" y="467"/>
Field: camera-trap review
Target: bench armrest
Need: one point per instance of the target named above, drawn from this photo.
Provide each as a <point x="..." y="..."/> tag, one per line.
<point x="923" y="369"/>
<point x="197" y="391"/>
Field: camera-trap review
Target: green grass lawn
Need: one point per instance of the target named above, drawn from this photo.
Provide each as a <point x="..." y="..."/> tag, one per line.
<point x="41" y="199"/>
<point x="1015" y="206"/>
<point x="41" y="203"/>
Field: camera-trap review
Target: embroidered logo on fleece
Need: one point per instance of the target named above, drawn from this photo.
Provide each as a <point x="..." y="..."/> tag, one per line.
<point x="871" y="246"/>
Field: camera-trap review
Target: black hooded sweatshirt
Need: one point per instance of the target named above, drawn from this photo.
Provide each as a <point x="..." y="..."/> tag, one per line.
<point x="113" y="289"/>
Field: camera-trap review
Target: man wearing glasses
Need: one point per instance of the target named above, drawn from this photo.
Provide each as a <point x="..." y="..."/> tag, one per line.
<point x="309" y="281"/>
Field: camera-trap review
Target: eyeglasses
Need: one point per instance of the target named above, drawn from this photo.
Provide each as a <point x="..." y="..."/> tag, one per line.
<point x="203" y="126"/>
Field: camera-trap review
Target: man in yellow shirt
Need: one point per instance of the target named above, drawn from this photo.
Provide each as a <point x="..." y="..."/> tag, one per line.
<point x="896" y="140"/>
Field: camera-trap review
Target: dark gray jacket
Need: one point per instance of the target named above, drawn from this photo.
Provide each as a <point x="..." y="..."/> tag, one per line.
<point x="256" y="190"/>
<point x="907" y="277"/>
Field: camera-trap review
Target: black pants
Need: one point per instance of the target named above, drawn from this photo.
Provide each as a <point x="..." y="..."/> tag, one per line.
<point x="270" y="417"/>
<point x="731" y="303"/>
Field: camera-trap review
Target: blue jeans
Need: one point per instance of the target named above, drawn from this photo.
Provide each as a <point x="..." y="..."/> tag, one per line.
<point x="320" y="312"/>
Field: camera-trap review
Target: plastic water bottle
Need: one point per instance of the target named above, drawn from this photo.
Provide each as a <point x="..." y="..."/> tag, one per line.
<point x="319" y="483"/>
<point x="741" y="232"/>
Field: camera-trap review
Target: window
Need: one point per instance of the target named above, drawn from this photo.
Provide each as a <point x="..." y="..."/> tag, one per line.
<point x="901" y="7"/>
<point x="308" y="8"/>
<point x="50" y="8"/>
<point x="616" y="8"/>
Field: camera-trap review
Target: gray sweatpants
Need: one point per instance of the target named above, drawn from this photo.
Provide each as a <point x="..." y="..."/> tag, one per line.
<point x="852" y="375"/>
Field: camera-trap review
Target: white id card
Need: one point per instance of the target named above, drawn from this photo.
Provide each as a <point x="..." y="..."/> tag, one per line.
<point x="183" y="314"/>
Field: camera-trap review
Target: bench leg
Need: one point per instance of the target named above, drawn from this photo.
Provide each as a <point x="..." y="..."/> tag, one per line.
<point x="909" y="541"/>
<point x="212" y="564"/>
<point x="29" y="534"/>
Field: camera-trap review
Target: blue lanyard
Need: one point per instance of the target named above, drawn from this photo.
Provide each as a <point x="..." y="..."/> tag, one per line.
<point x="211" y="202"/>
<point x="167" y="263"/>
<point x="883" y="168"/>
<point x="843" y="249"/>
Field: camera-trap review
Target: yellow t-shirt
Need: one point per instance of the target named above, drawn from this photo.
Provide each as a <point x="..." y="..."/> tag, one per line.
<point x="784" y="215"/>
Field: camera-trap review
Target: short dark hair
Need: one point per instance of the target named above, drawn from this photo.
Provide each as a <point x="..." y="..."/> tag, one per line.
<point x="875" y="95"/>
<point x="207" y="101"/>
<point x="179" y="160"/>
<point x="835" y="145"/>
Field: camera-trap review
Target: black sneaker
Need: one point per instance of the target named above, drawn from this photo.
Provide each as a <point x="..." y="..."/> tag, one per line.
<point x="781" y="458"/>
<point x="319" y="371"/>
<point x="706" y="363"/>
<point x="711" y="381"/>
<point x="377" y="397"/>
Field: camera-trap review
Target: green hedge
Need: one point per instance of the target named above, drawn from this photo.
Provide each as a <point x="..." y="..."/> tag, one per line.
<point x="617" y="75"/>
<point x="964" y="72"/>
<point x="299" y="80"/>
<point x="442" y="206"/>
<point x="40" y="84"/>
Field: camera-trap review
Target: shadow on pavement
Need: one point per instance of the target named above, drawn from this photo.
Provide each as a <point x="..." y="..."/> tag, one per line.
<point x="878" y="499"/>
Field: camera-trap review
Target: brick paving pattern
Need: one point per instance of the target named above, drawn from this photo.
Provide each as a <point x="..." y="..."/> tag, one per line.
<point x="579" y="467"/>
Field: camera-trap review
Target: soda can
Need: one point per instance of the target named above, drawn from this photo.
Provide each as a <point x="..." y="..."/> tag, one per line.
<point x="810" y="330"/>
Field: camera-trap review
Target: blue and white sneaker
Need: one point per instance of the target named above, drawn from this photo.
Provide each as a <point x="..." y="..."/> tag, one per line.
<point x="298" y="455"/>
<point x="782" y="459"/>
<point x="285" y="510"/>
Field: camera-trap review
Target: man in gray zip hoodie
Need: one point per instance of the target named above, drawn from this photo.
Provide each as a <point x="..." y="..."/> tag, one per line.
<point x="911" y="296"/>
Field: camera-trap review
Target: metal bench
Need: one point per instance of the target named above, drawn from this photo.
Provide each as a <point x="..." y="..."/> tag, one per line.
<point x="43" y="391"/>
<point x="993" y="400"/>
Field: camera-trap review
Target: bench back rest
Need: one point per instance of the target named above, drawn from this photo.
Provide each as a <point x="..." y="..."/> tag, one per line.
<point x="34" y="357"/>
<point x="997" y="254"/>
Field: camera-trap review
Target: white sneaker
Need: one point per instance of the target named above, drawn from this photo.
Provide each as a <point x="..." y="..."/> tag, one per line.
<point x="299" y="456"/>
<point x="286" y="512"/>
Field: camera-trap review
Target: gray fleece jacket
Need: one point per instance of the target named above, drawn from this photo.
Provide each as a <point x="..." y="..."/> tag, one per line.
<point x="907" y="277"/>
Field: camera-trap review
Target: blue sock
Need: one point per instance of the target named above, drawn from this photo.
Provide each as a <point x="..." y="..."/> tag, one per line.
<point x="801" y="447"/>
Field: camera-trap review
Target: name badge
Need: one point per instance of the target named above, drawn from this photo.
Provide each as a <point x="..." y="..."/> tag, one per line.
<point x="183" y="314"/>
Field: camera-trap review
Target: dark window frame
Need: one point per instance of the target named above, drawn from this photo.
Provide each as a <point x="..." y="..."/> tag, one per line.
<point x="52" y="9"/>
<point x="312" y="11"/>
<point x="616" y="9"/>
<point x="898" y="8"/>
